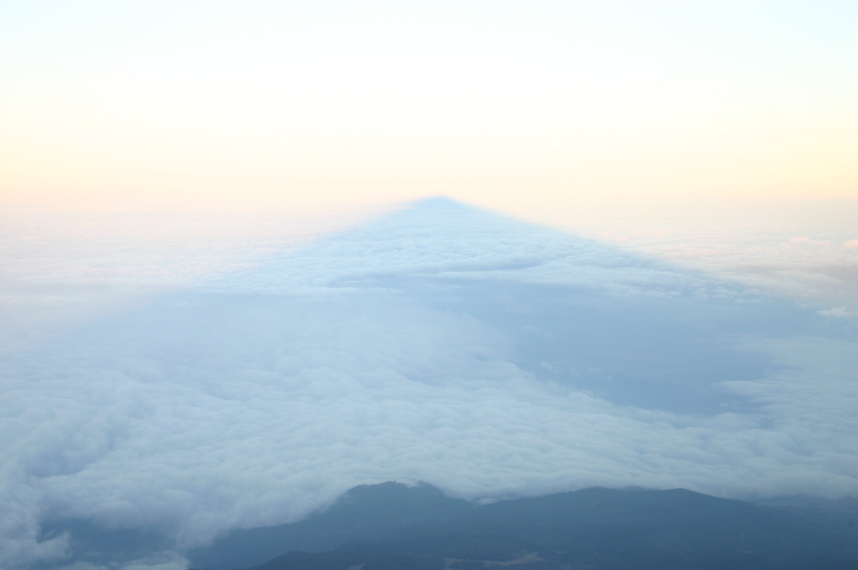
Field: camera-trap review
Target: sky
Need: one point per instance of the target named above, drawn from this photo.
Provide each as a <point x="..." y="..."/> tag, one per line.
<point x="498" y="103"/>
<point x="225" y="298"/>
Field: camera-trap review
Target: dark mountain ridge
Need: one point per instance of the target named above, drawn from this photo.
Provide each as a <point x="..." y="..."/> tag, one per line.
<point x="391" y="526"/>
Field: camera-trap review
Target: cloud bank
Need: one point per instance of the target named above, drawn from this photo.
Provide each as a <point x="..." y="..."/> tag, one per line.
<point x="440" y="343"/>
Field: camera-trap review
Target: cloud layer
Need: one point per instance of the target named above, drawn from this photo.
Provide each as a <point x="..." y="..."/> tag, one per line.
<point x="441" y="343"/>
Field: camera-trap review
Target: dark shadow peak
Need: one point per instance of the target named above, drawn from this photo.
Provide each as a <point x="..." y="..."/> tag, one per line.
<point x="437" y="202"/>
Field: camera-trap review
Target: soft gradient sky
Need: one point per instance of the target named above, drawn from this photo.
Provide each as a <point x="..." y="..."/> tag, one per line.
<point x="496" y="102"/>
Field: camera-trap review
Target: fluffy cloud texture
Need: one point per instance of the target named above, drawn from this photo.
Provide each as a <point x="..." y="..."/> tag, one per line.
<point x="439" y="343"/>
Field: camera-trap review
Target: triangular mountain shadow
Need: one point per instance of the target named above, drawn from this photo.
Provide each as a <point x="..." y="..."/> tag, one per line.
<point x="418" y="527"/>
<point x="623" y="326"/>
<point x="439" y="236"/>
<point x="581" y="314"/>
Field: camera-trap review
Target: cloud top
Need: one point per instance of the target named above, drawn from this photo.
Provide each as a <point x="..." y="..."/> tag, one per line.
<point x="443" y="344"/>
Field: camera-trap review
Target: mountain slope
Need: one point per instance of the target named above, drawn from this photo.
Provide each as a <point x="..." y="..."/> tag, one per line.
<point x="392" y="526"/>
<point x="365" y="513"/>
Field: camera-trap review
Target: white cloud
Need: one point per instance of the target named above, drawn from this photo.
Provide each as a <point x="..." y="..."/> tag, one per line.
<point x="412" y="349"/>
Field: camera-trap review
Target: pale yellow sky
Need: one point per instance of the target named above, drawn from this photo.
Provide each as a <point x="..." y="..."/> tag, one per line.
<point x="504" y="104"/>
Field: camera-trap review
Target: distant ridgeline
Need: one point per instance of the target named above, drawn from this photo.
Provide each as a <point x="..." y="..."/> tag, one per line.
<point x="392" y="526"/>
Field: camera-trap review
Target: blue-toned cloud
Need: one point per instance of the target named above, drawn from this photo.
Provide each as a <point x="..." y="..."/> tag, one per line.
<point x="440" y="343"/>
